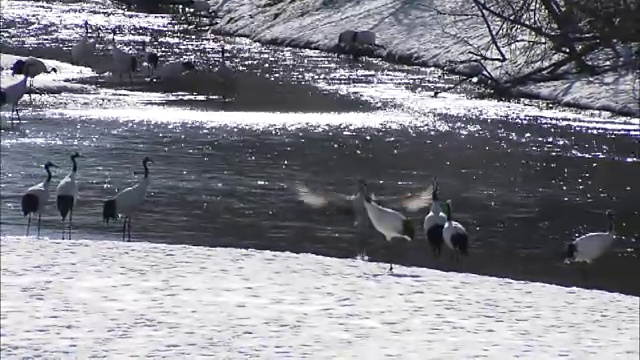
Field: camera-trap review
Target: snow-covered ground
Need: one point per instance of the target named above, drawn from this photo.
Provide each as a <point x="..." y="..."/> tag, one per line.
<point x="82" y="299"/>
<point x="421" y="31"/>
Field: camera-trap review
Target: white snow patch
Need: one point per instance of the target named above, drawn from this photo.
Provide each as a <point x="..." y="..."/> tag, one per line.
<point x="415" y="29"/>
<point x="82" y="299"/>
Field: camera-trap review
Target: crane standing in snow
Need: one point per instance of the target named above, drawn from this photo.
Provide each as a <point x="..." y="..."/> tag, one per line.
<point x="67" y="193"/>
<point x="12" y="95"/>
<point x="36" y="198"/>
<point x="127" y="202"/>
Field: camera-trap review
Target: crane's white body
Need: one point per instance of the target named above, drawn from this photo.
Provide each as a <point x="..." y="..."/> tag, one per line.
<point x="68" y="186"/>
<point x="12" y="95"/>
<point x="40" y="190"/>
<point x="451" y="228"/>
<point x="129" y="200"/>
<point x="387" y="221"/>
<point x="14" y="92"/>
<point x="435" y="217"/>
<point x="591" y="246"/>
<point x="83" y="51"/>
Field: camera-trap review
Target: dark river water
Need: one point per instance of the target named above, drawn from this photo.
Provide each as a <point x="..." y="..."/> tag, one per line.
<point x="524" y="178"/>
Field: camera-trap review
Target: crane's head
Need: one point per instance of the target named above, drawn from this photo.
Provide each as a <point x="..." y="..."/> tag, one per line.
<point x="146" y="160"/>
<point x="610" y="214"/>
<point x="49" y="164"/>
<point x="362" y="185"/>
<point x="76" y="155"/>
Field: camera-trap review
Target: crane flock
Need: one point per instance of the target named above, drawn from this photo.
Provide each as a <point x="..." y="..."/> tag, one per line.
<point x="126" y="202"/>
<point x="370" y="212"/>
<point x="438" y="226"/>
<point x="120" y="64"/>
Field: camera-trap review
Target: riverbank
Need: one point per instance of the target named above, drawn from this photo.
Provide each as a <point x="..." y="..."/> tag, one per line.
<point x="419" y="33"/>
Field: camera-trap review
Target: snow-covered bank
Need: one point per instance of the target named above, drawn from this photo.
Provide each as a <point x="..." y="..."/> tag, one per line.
<point x="417" y="32"/>
<point x="100" y="298"/>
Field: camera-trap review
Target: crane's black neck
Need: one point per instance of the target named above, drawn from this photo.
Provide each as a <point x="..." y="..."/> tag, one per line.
<point x="75" y="164"/>
<point x="611" y="227"/>
<point x="448" y="211"/>
<point x="146" y="169"/>
<point x="46" y="168"/>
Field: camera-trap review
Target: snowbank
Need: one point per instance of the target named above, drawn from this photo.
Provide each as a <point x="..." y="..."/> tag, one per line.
<point x="413" y="32"/>
<point x="85" y="299"/>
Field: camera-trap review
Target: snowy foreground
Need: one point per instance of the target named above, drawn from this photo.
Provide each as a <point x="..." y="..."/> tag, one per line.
<point x="80" y="299"/>
<point x="420" y="31"/>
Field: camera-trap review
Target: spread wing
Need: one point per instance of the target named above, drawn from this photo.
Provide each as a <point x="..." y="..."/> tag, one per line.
<point x="315" y="199"/>
<point x="412" y="202"/>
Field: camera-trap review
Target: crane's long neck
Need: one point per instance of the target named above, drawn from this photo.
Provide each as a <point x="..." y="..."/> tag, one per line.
<point x="612" y="229"/>
<point x="146" y="170"/>
<point x="48" y="180"/>
<point x="74" y="169"/>
<point x="448" y="212"/>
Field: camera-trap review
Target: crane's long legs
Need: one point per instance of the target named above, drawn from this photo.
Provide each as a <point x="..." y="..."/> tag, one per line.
<point x="124" y="227"/>
<point x="129" y="231"/>
<point x="70" y="221"/>
<point x="28" y="224"/>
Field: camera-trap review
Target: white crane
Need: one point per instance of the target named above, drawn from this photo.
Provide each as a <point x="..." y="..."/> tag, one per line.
<point x="12" y="95"/>
<point x="434" y="222"/>
<point x="127" y="202"/>
<point x="455" y="235"/>
<point x="84" y="50"/>
<point x="353" y="205"/>
<point x="589" y="247"/>
<point x="36" y="198"/>
<point x="122" y="63"/>
<point x="67" y="194"/>
<point x="35" y="67"/>
<point x="390" y="223"/>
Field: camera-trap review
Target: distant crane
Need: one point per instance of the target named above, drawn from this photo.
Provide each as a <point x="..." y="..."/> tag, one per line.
<point x="84" y="50"/>
<point x="36" y="198"/>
